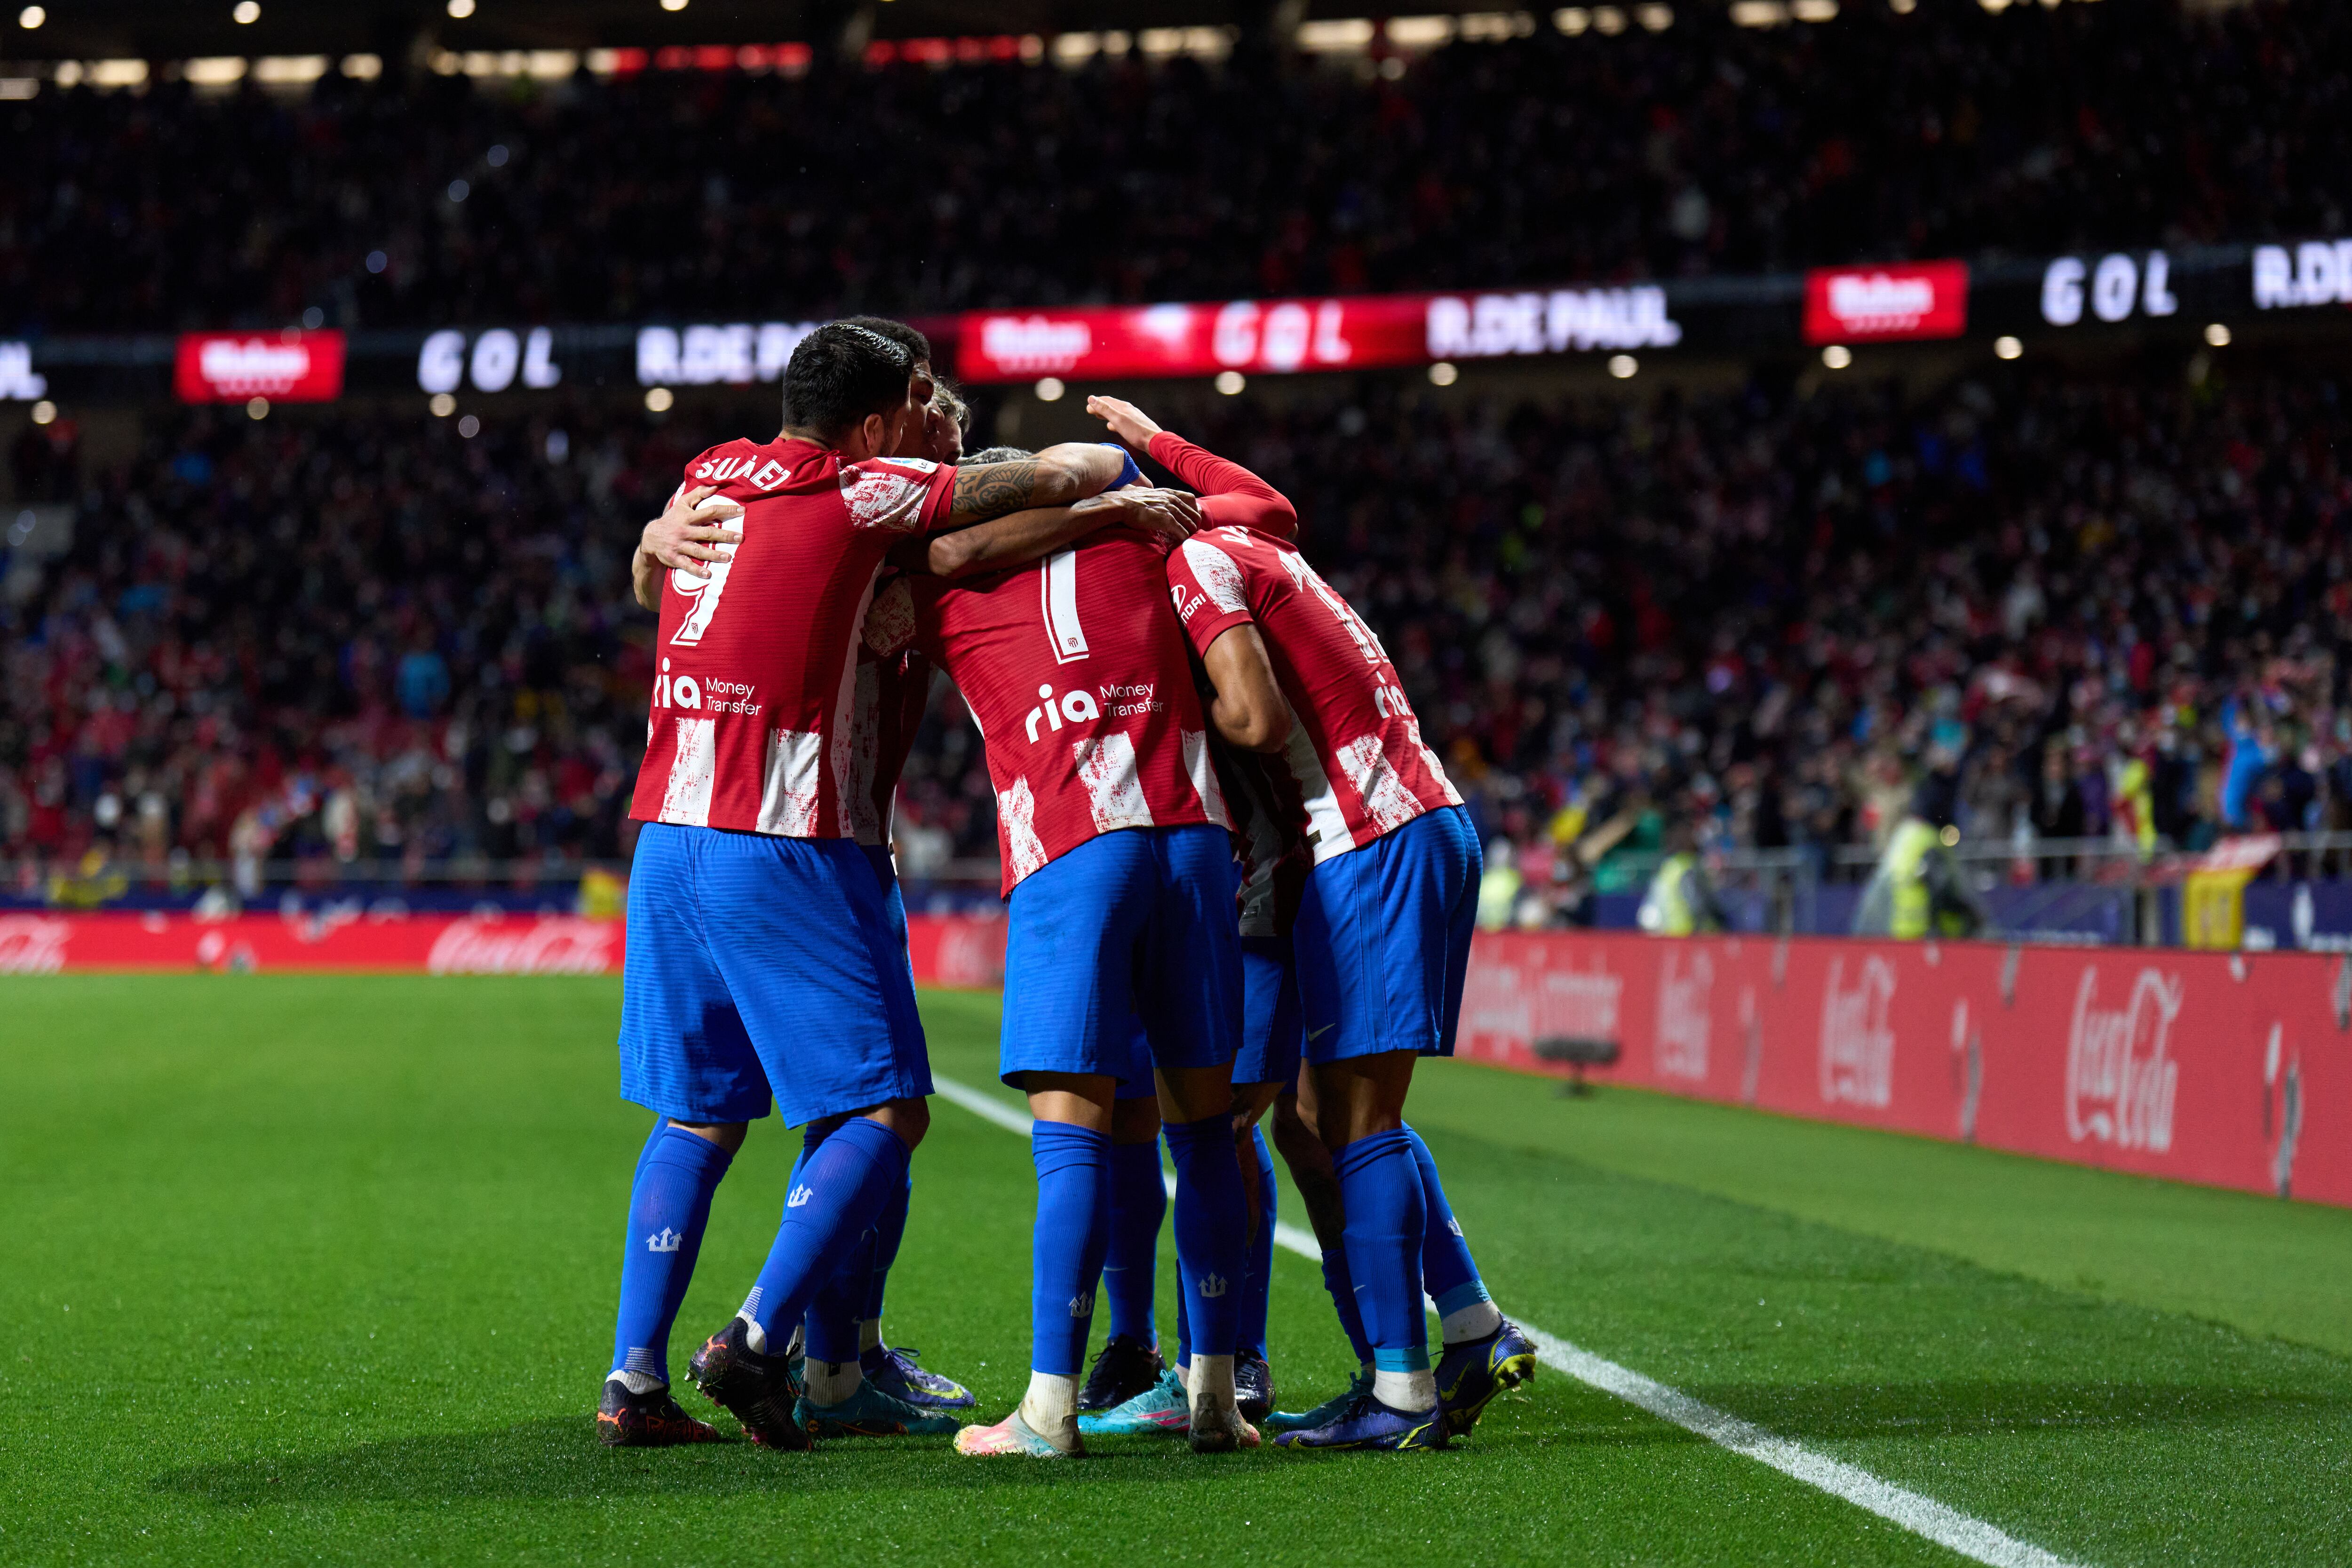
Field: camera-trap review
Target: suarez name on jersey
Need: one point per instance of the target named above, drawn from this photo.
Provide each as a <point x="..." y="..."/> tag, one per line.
<point x="754" y="723"/>
<point x="1355" y="750"/>
<point x="1078" y="677"/>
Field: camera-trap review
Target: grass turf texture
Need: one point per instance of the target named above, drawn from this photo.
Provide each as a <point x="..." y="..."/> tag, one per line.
<point x="305" y="1269"/>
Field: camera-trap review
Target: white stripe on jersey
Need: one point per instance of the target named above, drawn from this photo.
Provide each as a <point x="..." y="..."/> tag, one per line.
<point x="1429" y="760"/>
<point x="1218" y="575"/>
<point x="887" y="497"/>
<point x="1114" y="789"/>
<point x="1386" y="800"/>
<point x="1203" y="773"/>
<point x="1016" y="819"/>
<point x="1059" y="589"/>
<point x="1327" y="825"/>
<point x="858" y="811"/>
<point x="693" y="770"/>
<point x="789" y="791"/>
<point x="841" y="730"/>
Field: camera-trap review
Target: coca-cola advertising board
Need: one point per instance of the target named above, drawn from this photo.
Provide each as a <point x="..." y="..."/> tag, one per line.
<point x="1878" y="304"/>
<point x="335" y="940"/>
<point x="945" y="949"/>
<point x="2233" y="1069"/>
<point x="289" y="366"/>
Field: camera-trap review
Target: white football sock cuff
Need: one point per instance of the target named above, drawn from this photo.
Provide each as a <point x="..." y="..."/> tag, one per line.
<point x="1474" y="1322"/>
<point x="1051" y="1404"/>
<point x="1413" y="1390"/>
<point x="831" y="1382"/>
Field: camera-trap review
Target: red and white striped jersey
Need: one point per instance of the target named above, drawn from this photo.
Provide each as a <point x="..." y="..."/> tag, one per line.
<point x="1079" y="677"/>
<point x="892" y="694"/>
<point x="1269" y="839"/>
<point x="755" y="722"/>
<point x="1355" y="752"/>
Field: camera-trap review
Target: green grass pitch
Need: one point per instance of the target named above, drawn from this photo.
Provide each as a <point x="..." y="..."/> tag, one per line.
<point x="322" y="1269"/>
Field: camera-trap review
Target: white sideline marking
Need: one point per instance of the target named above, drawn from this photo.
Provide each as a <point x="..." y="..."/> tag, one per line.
<point x="1971" y="1537"/>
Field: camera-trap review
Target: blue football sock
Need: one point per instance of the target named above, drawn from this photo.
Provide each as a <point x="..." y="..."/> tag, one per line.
<point x="1211" y="1239"/>
<point x="830" y="1326"/>
<point x="888" y="1232"/>
<point x="1138" y="1202"/>
<point x="669" y="1202"/>
<point x="1447" y="1270"/>
<point x="841" y="1185"/>
<point x="1066" y="1249"/>
<point x="1380" y="1186"/>
<point x="1342" y="1287"/>
<point x="1183" y="1333"/>
<point x="1258" y="1278"/>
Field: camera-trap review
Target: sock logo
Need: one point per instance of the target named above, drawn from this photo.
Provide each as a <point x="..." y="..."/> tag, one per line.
<point x="1211" y="1287"/>
<point x="1454" y="1226"/>
<point x="1083" y="1306"/>
<point x="800" y="1197"/>
<point x="663" y="1240"/>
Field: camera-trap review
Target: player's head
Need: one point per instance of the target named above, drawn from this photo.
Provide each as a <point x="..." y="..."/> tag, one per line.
<point x="1000" y="455"/>
<point x="852" y="389"/>
<point x="944" y="423"/>
<point x="905" y="336"/>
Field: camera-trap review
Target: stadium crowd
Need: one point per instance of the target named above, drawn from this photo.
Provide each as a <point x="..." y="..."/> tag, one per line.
<point x="417" y="199"/>
<point x="2070" y="609"/>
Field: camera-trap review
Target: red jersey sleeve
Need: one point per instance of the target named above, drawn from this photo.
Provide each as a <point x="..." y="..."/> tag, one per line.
<point x="1231" y="496"/>
<point x="1211" y="592"/>
<point x="900" y="495"/>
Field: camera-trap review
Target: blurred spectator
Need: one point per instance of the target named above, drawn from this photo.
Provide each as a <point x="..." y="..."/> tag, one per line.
<point x="1779" y="619"/>
<point x="421" y="200"/>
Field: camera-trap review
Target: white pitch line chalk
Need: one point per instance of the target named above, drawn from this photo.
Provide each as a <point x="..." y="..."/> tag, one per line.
<point x="1922" y="1516"/>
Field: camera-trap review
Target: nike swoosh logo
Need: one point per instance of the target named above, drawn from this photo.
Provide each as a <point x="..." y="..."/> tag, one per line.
<point x="1324" y="1030"/>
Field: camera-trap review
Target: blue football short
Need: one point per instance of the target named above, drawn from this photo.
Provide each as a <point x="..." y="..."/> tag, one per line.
<point x="1135" y="1081"/>
<point x="1383" y="941"/>
<point x="885" y="871"/>
<point x="1134" y="924"/>
<point x="1272" y="1032"/>
<point x="759" y="966"/>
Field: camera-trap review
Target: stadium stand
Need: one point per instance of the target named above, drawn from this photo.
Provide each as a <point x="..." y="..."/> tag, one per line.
<point x="418" y="199"/>
<point x="2079" y="604"/>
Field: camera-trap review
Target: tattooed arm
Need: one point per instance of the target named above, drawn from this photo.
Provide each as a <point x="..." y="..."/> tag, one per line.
<point x="1025" y="535"/>
<point x="1057" y="476"/>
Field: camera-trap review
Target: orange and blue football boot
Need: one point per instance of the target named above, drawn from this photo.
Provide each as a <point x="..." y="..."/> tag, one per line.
<point x="648" y="1420"/>
<point x="757" y="1390"/>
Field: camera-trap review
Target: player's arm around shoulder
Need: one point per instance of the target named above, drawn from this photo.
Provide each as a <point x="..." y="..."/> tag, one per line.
<point x="1058" y="476"/>
<point x="1020" y="537"/>
<point x="1230" y="494"/>
<point x="689" y="536"/>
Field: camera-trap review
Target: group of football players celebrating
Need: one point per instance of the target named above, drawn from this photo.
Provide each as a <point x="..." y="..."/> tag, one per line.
<point x="1239" y="893"/>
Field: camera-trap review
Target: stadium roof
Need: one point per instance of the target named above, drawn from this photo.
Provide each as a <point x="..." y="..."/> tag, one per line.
<point x="174" y="29"/>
